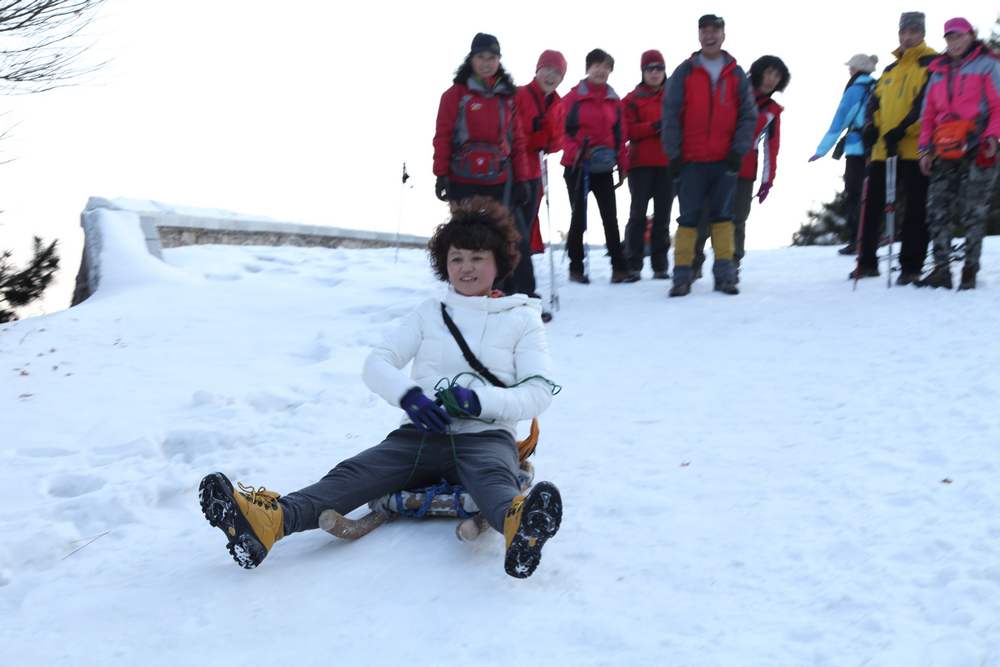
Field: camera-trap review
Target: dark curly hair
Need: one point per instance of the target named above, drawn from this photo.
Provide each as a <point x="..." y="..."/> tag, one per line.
<point x="477" y="223"/>
<point x="464" y="72"/>
<point x="756" y="72"/>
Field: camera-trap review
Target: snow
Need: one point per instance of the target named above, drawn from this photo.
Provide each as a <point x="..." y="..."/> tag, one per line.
<point x="799" y="475"/>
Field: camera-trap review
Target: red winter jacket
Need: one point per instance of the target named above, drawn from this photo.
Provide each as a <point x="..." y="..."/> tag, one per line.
<point x="535" y="109"/>
<point x="968" y="89"/>
<point x="702" y="122"/>
<point x="766" y="139"/>
<point x="490" y="118"/>
<point x="595" y="113"/>
<point x="643" y="111"/>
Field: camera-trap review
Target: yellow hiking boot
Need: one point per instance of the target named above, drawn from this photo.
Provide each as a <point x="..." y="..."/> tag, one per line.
<point x="531" y="520"/>
<point x="252" y="519"/>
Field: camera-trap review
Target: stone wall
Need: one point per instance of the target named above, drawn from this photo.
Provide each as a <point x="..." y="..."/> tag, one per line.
<point x="169" y="229"/>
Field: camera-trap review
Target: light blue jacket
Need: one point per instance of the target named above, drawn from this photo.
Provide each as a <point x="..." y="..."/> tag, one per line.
<point x="850" y="113"/>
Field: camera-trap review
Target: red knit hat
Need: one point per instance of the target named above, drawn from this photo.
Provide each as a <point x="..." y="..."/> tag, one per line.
<point x="553" y="59"/>
<point x="652" y="57"/>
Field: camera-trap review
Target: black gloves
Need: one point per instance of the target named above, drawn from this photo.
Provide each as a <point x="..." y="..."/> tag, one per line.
<point x="521" y="194"/>
<point x="892" y="139"/>
<point x="869" y="136"/>
<point x="733" y="162"/>
<point x="441" y="188"/>
<point x="657" y="126"/>
<point x="537" y="123"/>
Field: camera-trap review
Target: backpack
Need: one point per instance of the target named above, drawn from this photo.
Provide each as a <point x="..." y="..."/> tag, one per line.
<point x="478" y="160"/>
<point x="838" y="150"/>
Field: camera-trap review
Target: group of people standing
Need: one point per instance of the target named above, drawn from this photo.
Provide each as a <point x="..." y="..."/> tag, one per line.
<point x="935" y="119"/>
<point x="700" y="134"/>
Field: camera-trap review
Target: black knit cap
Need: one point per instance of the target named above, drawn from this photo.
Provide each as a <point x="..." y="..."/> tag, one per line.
<point x="484" y="42"/>
<point x="711" y="20"/>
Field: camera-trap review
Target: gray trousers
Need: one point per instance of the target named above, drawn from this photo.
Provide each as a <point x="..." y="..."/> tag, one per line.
<point x="485" y="463"/>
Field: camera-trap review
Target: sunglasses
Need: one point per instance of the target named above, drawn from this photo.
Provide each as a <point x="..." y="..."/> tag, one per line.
<point x="655" y="68"/>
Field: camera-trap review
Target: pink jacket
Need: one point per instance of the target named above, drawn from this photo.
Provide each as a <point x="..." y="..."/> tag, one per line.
<point x="968" y="90"/>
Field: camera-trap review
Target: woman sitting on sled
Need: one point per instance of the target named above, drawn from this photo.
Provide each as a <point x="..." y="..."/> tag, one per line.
<point x="466" y="436"/>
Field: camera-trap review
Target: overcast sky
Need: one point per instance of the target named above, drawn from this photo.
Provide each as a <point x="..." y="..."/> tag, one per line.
<point x="305" y="111"/>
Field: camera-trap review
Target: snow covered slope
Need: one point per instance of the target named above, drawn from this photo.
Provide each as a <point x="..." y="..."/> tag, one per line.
<point x="800" y="475"/>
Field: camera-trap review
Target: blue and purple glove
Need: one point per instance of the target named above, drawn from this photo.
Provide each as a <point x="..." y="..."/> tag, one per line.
<point x="467" y="399"/>
<point x="425" y="414"/>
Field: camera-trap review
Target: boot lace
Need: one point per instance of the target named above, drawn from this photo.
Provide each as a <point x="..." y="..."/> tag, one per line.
<point x="259" y="496"/>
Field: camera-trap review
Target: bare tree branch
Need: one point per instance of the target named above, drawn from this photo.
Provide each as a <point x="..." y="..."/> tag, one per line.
<point x="38" y="43"/>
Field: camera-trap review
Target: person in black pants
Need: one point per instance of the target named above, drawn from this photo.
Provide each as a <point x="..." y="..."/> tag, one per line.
<point x="914" y="236"/>
<point x="594" y="144"/>
<point x="648" y="176"/>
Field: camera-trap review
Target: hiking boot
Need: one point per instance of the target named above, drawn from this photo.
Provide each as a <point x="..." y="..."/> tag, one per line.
<point x="939" y="277"/>
<point x="661" y="275"/>
<point x="864" y="272"/>
<point x="530" y="521"/>
<point x="695" y="273"/>
<point x="908" y="277"/>
<point x="578" y="277"/>
<point x="724" y="271"/>
<point x="968" y="278"/>
<point x="252" y="519"/>
<point x="624" y="276"/>
<point x="849" y="249"/>
<point x="682" y="281"/>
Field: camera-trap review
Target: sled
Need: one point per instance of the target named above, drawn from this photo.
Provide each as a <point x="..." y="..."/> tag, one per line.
<point x="442" y="500"/>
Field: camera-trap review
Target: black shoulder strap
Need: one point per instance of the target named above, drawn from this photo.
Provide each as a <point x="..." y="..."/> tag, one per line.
<point x="466" y="352"/>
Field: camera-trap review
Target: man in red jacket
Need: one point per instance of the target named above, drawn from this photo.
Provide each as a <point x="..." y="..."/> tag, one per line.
<point x="648" y="177"/>
<point x="708" y="122"/>
<point x="538" y="113"/>
<point x="478" y="148"/>
<point x="768" y="75"/>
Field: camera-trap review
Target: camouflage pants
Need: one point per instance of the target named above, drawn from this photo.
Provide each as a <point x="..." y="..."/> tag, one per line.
<point x="959" y="192"/>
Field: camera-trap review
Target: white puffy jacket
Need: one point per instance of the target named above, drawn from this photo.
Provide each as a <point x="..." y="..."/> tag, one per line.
<point x="506" y="334"/>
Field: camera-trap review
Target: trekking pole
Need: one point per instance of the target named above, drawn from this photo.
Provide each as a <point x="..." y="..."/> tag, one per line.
<point x="890" y="212"/>
<point x="399" y="219"/>
<point x="553" y="289"/>
<point x="586" y="191"/>
<point x="863" y="204"/>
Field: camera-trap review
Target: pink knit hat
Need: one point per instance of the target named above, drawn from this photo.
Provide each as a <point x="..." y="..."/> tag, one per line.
<point x="651" y="57"/>
<point x="957" y="24"/>
<point x="553" y="59"/>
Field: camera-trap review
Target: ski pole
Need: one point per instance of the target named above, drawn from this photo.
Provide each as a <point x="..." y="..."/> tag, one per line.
<point x="553" y="289"/>
<point x="890" y="213"/>
<point x="399" y="219"/>
<point x="863" y="205"/>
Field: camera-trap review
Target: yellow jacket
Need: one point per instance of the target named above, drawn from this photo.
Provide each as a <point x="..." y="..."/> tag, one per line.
<point x="897" y="100"/>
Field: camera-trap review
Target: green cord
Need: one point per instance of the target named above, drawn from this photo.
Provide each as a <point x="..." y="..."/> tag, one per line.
<point x="416" y="462"/>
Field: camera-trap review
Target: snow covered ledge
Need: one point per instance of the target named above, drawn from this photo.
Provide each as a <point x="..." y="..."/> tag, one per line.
<point x="170" y="227"/>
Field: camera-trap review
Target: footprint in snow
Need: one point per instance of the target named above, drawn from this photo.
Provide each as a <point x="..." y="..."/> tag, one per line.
<point x="328" y="282"/>
<point x="74" y="485"/>
<point x="189" y="444"/>
<point x="275" y="260"/>
<point x="224" y="276"/>
<point x="263" y="401"/>
<point x="44" y="452"/>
